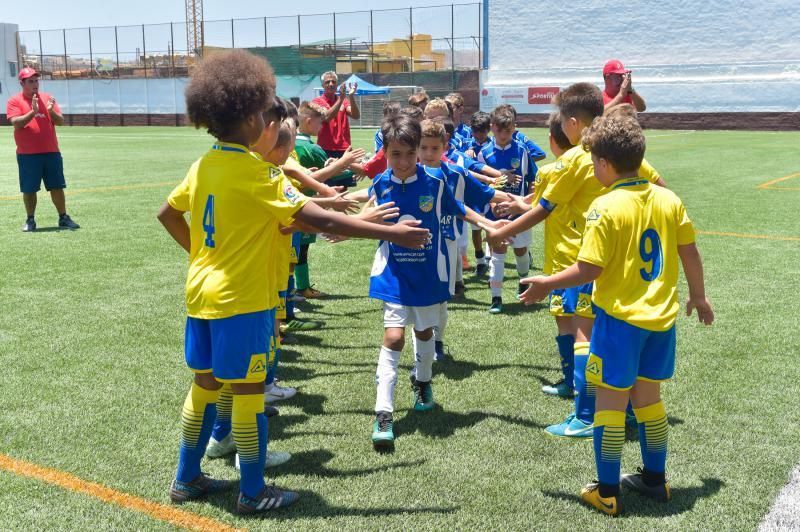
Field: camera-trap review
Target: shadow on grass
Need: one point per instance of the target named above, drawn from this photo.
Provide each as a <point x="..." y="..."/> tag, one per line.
<point x="458" y="370"/>
<point x="51" y="229"/>
<point x="440" y="423"/>
<point x="683" y="499"/>
<point x="314" y="462"/>
<point x="278" y="426"/>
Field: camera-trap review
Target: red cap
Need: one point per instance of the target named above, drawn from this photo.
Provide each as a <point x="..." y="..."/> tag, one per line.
<point x="614" y="66"/>
<point x="26" y="73"/>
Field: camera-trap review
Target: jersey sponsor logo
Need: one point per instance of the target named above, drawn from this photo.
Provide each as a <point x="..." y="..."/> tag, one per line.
<point x="593" y="216"/>
<point x="385" y="192"/>
<point x="291" y="194"/>
<point x="426" y="203"/>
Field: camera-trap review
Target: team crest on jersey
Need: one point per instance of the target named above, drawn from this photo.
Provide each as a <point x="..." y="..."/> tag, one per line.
<point x="291" y="194"/>
<point x="514" y="163"/>
<point x="593" y="216"/>
<point x="425" y="203"/>
<point x="559" y="165"/>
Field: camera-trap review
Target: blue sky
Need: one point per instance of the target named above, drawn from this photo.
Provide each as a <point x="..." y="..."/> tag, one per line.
<point x="52" y="14"/>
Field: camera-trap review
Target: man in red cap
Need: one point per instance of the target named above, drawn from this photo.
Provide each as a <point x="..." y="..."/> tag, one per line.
<point x="35" y="116"/>
<point x="619" y="87"/>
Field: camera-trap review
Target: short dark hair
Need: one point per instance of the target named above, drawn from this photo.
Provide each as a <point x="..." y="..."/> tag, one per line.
<point x="418" y="99"/>
<point x="390" y="108"/>
<point x="502" y="117"/>
<point x="554" y="123"/>
<point x="480" y="121"/>
<point x="412" y="112"/>
<point x="226" y="88"/>
<point x="278" y="112"/>
<point x="510" y="108"/>
<point x="617" y="139"/>
<point x="583" y="101"/>
<point x="285" y="133"/>
<point x="402" y="130"/>
<point x="448" y="125"/>
<point x="291" y="108"/>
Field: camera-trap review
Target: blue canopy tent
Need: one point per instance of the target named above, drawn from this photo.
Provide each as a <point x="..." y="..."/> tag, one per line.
<point x="364" y="88"/>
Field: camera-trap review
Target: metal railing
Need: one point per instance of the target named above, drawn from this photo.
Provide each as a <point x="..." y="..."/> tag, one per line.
<point x="447" y="37"/>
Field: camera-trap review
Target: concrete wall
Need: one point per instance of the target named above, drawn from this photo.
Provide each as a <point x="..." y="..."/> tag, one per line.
<point x="687" y="56"/>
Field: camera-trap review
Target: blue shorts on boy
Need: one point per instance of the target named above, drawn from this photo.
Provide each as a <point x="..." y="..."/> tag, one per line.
<point x="235" y="349"/>
<point x="576" y="300"/>
<point x="620" y="353"/>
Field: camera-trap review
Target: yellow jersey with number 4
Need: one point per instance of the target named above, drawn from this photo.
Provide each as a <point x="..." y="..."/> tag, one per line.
<point x="236" y="201"/>
<point x="633" y="233"/>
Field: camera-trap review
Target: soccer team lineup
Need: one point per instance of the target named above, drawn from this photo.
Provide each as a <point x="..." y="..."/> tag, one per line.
<point x="455" y="229"/>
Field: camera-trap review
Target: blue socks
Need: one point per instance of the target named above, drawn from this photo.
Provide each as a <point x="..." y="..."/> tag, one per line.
<point x="566" y="350"/>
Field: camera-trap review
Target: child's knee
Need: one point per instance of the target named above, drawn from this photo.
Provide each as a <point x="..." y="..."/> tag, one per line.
<point x="394" y="338"/>
<point x="425" y="335"/>
<point x="207" y="381"/>
<point x="520" y="252"/>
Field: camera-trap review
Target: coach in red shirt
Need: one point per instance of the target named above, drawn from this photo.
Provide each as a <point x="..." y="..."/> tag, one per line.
<point x="35" y="116"/>
<point x="334" y="137"/>
<point x="619" y="87"/>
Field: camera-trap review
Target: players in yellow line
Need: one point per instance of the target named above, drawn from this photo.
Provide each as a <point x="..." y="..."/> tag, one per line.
<point x="237" y="202"/>
<point x="633" y="239"/>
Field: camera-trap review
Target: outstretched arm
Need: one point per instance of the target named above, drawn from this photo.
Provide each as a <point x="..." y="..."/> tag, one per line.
<point x="541" y="285"/>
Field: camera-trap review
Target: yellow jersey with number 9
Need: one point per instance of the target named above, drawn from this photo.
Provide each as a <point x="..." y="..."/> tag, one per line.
<point x="633" y="233"/>
<point x="236" y="201"/>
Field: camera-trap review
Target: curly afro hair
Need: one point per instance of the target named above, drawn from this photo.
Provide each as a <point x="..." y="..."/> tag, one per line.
<point x="226" y="88"/>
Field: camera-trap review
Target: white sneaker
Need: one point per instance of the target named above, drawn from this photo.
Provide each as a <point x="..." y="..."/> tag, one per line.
<point x="274" y="459"/>
<point x="217" y="449"/>
<point x="278" y="393"/>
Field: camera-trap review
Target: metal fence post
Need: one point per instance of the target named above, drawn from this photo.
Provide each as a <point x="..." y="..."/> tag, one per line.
<point x="144" y="53"/>
<point x="334" y="43"/>
<point x="453" y="45"/>
<point x="265" y="33"/>
<point x="411" y="41"/>
<point x="299" y="46"/>
<point x="91" y="57"/>
<point x="371" y="44"/>
<point x="66" y="61"/>
<point x="233" y="37"/>
<point x="116" y="50"/>
<point x="41" y="54"/>
<point x="172" y="51"/>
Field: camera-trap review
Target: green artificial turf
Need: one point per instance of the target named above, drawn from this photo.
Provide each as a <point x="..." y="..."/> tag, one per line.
<point x="91" y="339"/>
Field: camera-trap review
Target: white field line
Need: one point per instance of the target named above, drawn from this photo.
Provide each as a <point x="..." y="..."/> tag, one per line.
<point x="676" y="134"/>
<point x="785" y="511"/>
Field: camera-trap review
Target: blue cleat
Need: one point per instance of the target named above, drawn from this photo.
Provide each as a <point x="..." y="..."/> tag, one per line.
<point x="383" y="430"/>
<point x="180" y="492"/>
<point x="572" y="427"/>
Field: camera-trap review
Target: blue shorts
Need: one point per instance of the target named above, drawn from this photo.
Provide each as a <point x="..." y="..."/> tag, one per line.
<point x="37" y="167"/>
<point x="621" y="353"/>
<point x="572" y="301"/>
<point x="235" y="349"/>
<point x="297" y="241"/>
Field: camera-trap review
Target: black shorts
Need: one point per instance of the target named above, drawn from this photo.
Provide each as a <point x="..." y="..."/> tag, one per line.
<point x="37" y="167"/>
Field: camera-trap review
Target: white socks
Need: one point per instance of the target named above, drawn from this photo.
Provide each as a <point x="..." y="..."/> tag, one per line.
<point x="386" y="379"/>
<point x="425" y="352"/>
<point x="496" y="273"/>
<point x="523" y="264"/>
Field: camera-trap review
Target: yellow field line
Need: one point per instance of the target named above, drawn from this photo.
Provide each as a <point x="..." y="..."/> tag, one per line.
<point x="168" y="514"/>
<point x="71" y="192"/>
<point x="746" y="235"/>
<point x="768" y="184"/>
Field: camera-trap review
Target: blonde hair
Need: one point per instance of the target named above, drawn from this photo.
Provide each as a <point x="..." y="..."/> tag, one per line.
<point x="310" y="110"/>
<point x="438" y="104"/>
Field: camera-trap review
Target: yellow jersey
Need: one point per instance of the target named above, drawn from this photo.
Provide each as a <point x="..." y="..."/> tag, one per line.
<point x="284" y="250"/>
<point x="633" y="233"/>
<point x="236" y="201"/>
<point x="561" y="238"/>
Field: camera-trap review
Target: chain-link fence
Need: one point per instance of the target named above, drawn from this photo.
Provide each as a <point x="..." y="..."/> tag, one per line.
<point x="419" y="39"/>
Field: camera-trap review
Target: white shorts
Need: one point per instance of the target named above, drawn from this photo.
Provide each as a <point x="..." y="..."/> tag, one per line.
<point x="421" y="318"/>
<point x="474" y="227"/>
<point x="463" y="239"/>
<point x="522" y="240"/>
